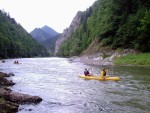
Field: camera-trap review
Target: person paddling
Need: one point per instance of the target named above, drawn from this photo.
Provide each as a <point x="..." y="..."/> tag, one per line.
<point x="86" y="72"/>
<point x="104" y="73"/>
<point x="16" y="62"/>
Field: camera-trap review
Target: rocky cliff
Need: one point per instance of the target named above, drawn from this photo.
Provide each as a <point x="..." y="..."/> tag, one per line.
<point x="68" y="31"/>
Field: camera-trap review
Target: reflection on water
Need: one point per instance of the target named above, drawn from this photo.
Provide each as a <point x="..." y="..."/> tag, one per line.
<point x="56" y="81"/>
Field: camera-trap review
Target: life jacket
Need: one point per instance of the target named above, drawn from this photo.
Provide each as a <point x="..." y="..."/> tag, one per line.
<point x="103" y="73"/>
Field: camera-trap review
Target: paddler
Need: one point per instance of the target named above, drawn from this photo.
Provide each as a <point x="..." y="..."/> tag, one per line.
<point x="104" y="73"/>
<point x="86" y="72"/>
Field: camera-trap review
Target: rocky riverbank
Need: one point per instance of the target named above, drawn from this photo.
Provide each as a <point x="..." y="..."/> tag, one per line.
<point x="10" y="100"/>
<point x="102" y="58"/>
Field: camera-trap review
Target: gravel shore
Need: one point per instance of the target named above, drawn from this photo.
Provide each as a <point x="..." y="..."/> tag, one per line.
<point x="93" y="60"/>
<point x="102" y="58"/>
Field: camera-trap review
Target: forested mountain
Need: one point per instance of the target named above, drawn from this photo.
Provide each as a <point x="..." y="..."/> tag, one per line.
<point x="113" y="23"/>
<point x="44" y="33"/>
<point x="68" y="31"/>
<point x="47" y="37"/>
<point x="15" y="41"/>
<point x="49" y="44"/>
<point x="39" y="35"/>
<point x="50" y="31"/>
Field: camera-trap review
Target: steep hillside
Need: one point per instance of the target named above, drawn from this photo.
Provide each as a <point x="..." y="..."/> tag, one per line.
<point x="113" y="23"/>
<point x="68" y="31"/>
<point x="49" y="44"/>
<point x="40" y="35"/>
<point x="15" y="40"/>
<point x="47" y="37"/>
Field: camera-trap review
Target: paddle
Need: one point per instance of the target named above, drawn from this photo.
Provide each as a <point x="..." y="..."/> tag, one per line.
<point x="91" y="71"/>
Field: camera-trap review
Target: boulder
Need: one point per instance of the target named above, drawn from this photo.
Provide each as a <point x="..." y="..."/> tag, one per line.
<point x="11" y="74"/>
<point x="6" y="75"/>
<point x="22" y="98"/>
<point x="4" y="81"/>
<point x="3" y="74"/>
<point x="8" y="107"/>
<point x="9" y="100"/>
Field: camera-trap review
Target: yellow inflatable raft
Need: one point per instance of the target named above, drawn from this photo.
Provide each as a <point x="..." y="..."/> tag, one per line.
<point x="100" y="78"/>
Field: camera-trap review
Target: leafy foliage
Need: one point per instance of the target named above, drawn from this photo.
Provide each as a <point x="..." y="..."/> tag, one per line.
<point x="15" y="41"/>
<point x="116" y="23"/>
<point x="49" y="44"/>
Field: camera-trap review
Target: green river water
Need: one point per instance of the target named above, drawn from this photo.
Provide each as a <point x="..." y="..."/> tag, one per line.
<point x="56" y="81"/>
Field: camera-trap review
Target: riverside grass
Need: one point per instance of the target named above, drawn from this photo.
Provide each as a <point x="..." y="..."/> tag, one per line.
<point x="134" y="59"/>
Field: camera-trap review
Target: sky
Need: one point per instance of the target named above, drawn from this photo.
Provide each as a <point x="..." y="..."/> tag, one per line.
<point x="56" y="14"/>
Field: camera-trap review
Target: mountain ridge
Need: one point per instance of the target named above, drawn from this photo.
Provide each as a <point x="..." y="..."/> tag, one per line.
<point x="15" y="41"/>
<point x="68" y="31"/>
<point x="46" y="36"/>
<point x="44" y="33"/>
<point x="122" y="24"/>
<point x="49" y="30"/>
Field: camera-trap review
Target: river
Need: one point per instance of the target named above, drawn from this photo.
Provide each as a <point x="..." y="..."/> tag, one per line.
<point x="56" y="81"/>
